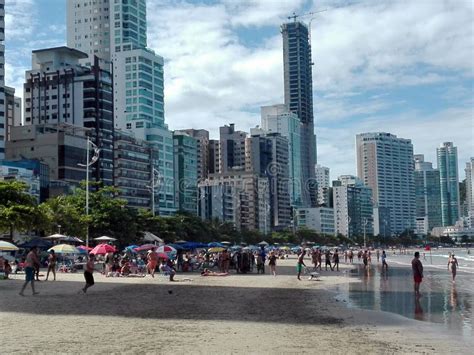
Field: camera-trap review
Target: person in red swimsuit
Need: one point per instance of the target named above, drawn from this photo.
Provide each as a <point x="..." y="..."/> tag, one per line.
<point x="417" y="268"/>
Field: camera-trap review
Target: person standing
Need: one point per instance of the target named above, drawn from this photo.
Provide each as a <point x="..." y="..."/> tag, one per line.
<point x="272" y="263"/>
<point x="384" y="261"/>
<point x="453" y="262"/>
<point x="417" y="268"/>
<point x="152" y="262"/>
<point x="30" y="264"/>
<point x="378" y="255"/>
<point x="351" y="256"/>
<point x="52" y="258"/>
<point x="365" y="259"/>
<point x="300" y="264"/>
<point x="335" y="259"/>
<point x="327" y="256"/>
<point x="89" y="273"/>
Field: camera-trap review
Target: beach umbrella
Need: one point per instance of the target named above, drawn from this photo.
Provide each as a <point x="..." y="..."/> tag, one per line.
<point x="163" y="256"/>
<point x="215" y="250"/>
<point x="226" y="243"/>
<point x="56" y="236"/>
<point x="180" y="241"/>
<point x="131" y="248"/>
<point x="150" y="237"/>
<point x="6" y="246"/>
<point x="145" y="247"/>
<point x="264" y="243"/>
<point x="104" y="238"/>
<point x="64" y="249"/>
<point x="72" y="239"/>
<point x="285" y="248"/>
<point x="83" y="247"/>
<point x="166" y="249"/>
<point x="37" y="243"/>
<point x="215" y="244"/>
<point x="102" y="249"/>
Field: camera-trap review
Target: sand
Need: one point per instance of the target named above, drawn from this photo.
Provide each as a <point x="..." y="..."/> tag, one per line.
<point x="235" y="314"/>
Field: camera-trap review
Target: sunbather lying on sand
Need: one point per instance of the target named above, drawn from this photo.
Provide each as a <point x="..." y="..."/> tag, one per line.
<point x="208" y="272"/>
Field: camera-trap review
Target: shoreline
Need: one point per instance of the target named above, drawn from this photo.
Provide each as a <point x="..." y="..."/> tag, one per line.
<point x="235" y="314"/>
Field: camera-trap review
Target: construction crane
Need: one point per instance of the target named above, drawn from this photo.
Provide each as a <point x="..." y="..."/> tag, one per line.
<point x="295" y="16"/>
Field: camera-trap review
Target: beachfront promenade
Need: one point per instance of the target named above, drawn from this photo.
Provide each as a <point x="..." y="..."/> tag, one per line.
<point x="235" y="314"/>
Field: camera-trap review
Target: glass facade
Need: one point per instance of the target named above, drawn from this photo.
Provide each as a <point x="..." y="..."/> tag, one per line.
<point x="185" y="165"/>
<point x="447" y="156"/>
<point x="129" y="29"/>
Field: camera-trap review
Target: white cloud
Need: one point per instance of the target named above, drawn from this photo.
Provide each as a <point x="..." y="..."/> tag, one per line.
<point x="19" y="22"/>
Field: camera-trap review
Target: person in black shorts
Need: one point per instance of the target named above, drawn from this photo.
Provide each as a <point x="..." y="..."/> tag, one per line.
<point x="88" y="273"/>
<point x="328" y="260"/>
<point x="335" y="259"/>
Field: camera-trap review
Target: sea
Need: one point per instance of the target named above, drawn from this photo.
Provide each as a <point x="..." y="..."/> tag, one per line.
<point x="443" y="301"/>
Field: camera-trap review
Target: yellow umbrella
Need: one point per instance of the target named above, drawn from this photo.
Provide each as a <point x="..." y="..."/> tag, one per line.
<point x="215" y="250"/>
<point x="6" y="246"/>
<point x="285" y="248"/>
<point x="64" y="249"/>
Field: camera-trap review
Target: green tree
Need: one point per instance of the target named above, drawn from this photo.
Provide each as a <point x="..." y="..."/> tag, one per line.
<point x="18" y="209"/>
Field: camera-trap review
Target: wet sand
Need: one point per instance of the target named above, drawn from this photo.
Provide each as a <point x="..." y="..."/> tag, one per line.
<point x="235" y="314"/>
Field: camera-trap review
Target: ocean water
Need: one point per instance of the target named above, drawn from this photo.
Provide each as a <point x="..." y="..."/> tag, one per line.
<point x="443" y="302"/>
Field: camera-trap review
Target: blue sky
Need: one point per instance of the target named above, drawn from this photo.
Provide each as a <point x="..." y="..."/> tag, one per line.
<point x="403" y="67"/>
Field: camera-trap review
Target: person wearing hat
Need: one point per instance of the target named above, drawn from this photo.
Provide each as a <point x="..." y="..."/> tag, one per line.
<point x="51" y="264"/>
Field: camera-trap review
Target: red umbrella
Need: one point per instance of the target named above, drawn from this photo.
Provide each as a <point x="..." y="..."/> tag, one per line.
<point x="103" y="249"/>
<point x="145" y="247"/>
<point x="166" y="249"/>
<point x="163" y="256"/>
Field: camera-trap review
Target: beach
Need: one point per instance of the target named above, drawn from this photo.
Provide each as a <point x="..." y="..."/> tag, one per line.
<point x="235" y="314"/>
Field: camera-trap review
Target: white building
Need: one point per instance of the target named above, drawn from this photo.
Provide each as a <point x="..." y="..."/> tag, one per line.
<point x="12" y="171"/>
<point x="116" y="31"/>
<point x="2" y="80"/>
<point x="385" y="164"/>
<point x="323" y="181"/>
<point x="278" y="119"/>
<point x="469" y="170"/>
<point x="319" y="219"/>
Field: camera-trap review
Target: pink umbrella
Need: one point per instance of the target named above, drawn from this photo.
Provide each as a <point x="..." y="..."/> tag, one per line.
<point x="163" y="256"/>
<point x="83" y="247"/>
<point x="166" y="249"/>
<point x="145" y="247"/>
<point x="103" y="249"/>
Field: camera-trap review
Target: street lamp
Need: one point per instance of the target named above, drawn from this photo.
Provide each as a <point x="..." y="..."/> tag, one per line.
<point x="59" y="229"/>
<point x="95" y="157"/>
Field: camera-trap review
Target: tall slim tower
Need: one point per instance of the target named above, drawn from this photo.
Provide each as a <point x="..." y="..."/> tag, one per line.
<point x="385" y="164"/>
<point x="470" y="190"/>
<point x="298" y="80"/>
<point x="447" y="155"/>
<point x="2" y="80"/>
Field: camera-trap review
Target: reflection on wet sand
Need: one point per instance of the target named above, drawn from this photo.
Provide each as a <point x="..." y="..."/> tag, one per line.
<point x="392" y="291"/>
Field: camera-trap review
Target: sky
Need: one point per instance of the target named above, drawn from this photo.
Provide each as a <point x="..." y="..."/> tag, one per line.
<point x="404" y="67"/>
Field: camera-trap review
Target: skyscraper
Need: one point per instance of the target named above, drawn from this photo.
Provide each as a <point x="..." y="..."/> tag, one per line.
<point x="385" y="164"/>
<point x="447" y="155"/>
<point x="232" y="149"/>
<point x="428" y="195"/>
<point x="116" y="32"/>
<point x="297" y="65"/>
<point x="2" y="80"/>
<point x="469" y="170"/>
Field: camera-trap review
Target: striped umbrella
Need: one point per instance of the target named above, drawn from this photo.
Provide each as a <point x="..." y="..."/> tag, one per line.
<point x="6" y="246"/>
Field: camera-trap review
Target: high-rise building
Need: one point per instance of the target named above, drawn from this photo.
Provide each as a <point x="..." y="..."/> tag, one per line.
<point x="298" y="82"/>
<point x="278" y="119"/>
<point x="353" y="208"/>
<point x="447" y="155"/>
<point x="267" y="156"/>
<point x="214" y="156"/>
<point x="2" y="80"/>
<point x="12" y="111"/>
<point x="202" y="140"/>
<point x="132" y="170"/>
<point x="58" y="90"/>
<point x="232" y="149"/>
<point x="319" y="219"/>
<point x="385" y="164"/>
<point x="116" y="32"/>
<point x="239" y="197"/>
<point x="185" y="165"/>
<point x="323" y="183"/>
<point x="469" y="170"/>
<point x="428" y="196"/>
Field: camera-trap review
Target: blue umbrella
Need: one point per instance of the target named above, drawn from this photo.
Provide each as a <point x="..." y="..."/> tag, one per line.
<point x="37" y="243"/>
<point x="131" y="248"/>
<point x="216" y="245"/>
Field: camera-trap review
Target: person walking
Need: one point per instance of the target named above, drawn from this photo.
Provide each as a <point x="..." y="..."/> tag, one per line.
<point x="300" y="264"/>
<point x="327" y="256"/>
<point x="89" y="273"/>
<point x="272" y="263"/>
<point x="378" y="255"/>
<point x="417" y="268"/>
<point x="30" y="264"/>
<point x="335" y="259"/>
<point x="453" y="263"/>
<point x="52" y="258"/>
<point x="152" y="259"/>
